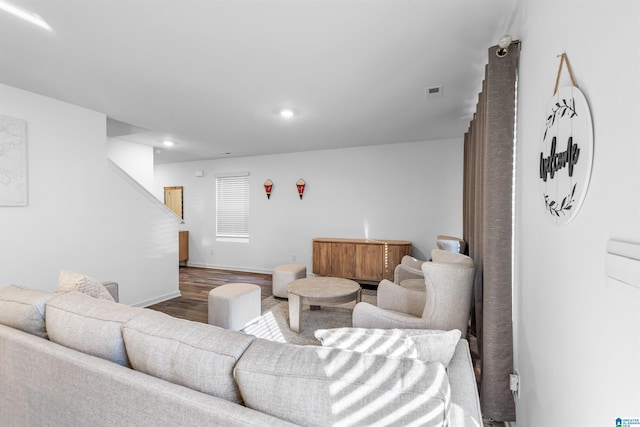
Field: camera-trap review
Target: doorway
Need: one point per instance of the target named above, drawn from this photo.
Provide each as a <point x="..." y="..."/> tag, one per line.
<point x="173" y="200"/>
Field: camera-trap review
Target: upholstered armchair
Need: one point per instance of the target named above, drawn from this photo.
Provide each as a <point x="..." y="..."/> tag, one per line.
<point x="450" y="243"/>
<point x="445" y="304"/>
<point x="409" y="273"/>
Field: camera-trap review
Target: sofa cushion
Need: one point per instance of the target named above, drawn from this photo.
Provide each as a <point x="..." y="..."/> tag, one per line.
<point x="320" y="386"/>
<point x="426" y="345"/>
<point x="69" y="281"/>
<point x="89" y="325"/>
<point x="24" y="309"/>
<point x="192" y="354"/>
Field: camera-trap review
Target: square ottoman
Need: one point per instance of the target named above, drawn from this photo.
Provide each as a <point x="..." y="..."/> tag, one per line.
<point x="283" y="275"/>
<point x="234" y="305"/>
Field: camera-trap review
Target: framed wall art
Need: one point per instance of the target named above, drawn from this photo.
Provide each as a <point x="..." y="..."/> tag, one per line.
<point x="13" y="162"/>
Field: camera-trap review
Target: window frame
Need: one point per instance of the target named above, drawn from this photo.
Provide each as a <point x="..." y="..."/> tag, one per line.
<point x="232" y="194"/>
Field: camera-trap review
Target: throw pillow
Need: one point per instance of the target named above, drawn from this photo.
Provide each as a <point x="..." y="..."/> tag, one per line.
<point x="69" y="281"/>
<point x="426" y="345"/>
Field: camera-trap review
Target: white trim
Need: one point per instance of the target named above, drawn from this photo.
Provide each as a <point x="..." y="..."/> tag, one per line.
<point x="233" y="239"/>
<point x="156" y="300"/>
<point x="224" y="175"/>
<point x="230" y="267"/>
<point x="146" y="193"/>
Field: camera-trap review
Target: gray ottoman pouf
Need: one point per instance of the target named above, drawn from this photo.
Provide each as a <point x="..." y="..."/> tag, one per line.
<point x="234" y="305"/>
<point x="283" y="275"/>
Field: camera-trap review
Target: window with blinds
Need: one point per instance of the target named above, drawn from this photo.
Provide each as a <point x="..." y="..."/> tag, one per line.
<point x="232" y="207"/>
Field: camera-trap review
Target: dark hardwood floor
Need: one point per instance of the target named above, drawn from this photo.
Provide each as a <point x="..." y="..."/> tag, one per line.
<point x="195" y="284"/>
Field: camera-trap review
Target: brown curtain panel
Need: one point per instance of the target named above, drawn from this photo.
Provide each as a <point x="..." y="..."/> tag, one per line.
<point x="488" y="227"/>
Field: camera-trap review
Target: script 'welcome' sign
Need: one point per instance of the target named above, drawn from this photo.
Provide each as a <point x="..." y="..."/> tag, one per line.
<point x="566" y="154"/>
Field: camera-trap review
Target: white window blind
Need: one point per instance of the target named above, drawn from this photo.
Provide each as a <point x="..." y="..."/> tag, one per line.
<point x="232" y="206"/>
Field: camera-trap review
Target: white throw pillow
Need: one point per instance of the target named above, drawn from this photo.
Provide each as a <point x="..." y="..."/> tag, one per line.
<point x="69" y="281"/>
<point x="426" y="345"/>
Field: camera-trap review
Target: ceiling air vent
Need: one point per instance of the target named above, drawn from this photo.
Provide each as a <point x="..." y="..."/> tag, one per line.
<point x="434" y="92"/>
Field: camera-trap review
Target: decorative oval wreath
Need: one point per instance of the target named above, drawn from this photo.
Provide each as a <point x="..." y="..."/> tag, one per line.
<point x="564" y="175"/>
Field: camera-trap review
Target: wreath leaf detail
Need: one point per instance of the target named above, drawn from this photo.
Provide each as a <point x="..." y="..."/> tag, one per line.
<point x="560" y="109"/>
<point x="565" y="206"/>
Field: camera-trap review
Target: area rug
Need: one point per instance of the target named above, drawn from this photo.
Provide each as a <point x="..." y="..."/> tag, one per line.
<point x="274" y="322"/>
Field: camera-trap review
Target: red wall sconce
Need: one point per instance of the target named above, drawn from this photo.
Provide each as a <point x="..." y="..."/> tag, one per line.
<point x="301" y="184"/>
<point x="268" y="185"/>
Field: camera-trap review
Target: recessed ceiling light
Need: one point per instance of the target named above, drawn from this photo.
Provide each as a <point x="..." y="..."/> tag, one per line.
<point x="168" y="143"/>
<point x="287" y="113"/>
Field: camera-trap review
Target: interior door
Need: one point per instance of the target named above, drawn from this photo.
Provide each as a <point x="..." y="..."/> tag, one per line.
<point x="173" y="200"/>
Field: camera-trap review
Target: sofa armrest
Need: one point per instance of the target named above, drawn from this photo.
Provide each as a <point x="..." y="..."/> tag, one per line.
<point x="112" y="287"/>
<point x="465" y="403"/>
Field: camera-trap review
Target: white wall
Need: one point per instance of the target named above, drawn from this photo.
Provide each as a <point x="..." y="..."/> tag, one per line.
<point x="81" y="215"/>
<point x="135" y="159"/>
<point x="578" y="333"/>
<point x="409" y="191"/>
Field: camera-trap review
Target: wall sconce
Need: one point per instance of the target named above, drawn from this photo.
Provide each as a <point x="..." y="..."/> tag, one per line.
<point x="268" y="185"/>
<point x="503" y="45"/>
<point x="301" y="184"/>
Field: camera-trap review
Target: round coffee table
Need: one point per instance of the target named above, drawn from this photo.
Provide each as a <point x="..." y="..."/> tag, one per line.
<point x="317" y="291"/>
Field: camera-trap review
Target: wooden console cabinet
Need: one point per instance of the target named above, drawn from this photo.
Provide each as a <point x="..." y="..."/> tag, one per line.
<point x="358" y="259"/>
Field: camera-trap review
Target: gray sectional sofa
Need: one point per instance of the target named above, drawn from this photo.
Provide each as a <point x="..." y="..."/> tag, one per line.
<point x="67" y="359"/>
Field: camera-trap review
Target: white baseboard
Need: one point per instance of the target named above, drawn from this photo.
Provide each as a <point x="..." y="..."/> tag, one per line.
<point x="229" y="267"/>
<point x="157" y="300"/>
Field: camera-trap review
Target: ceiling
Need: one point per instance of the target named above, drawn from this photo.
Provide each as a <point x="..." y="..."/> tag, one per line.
<point x="211" y="75"/>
